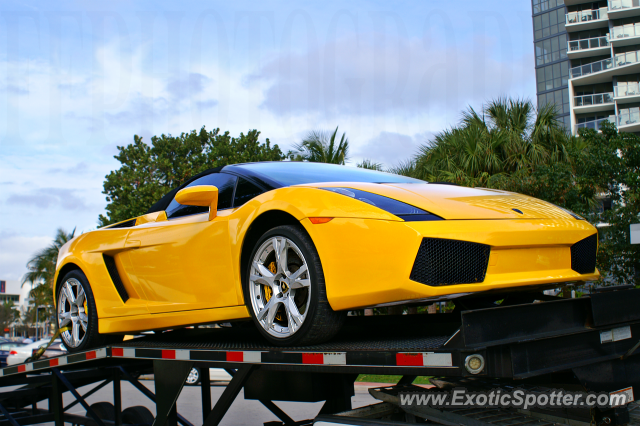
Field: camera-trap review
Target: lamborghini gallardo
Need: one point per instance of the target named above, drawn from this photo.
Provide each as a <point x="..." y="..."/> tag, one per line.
<point x="293" y="246"/>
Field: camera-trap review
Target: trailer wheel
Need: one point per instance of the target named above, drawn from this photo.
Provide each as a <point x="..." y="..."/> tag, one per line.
<point x="104" y="410"/>
<point x="137" y="415"/>
<point x="76" y="308"/>
<point x="285" y="292"/>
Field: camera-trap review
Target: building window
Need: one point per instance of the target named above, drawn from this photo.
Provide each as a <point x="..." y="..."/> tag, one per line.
<point x="549" y="23"/>
<point x="551" y="50"/>
<point x="552" y="76"/>
<point x="542" y="5"/>
<point x="559" y="97"/>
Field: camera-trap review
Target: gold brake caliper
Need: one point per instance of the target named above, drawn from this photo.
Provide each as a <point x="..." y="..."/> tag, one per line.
<point x="267" y="290"/>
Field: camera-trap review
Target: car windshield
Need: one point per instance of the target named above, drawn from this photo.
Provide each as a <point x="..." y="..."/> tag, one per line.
<point x="295" y="173"/>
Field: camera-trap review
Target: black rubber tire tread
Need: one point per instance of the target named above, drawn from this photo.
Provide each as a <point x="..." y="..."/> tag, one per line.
<point x="137" y="415"/>
<point x="322" y="322"/>
<point x="104" y="410"/>
<point x="92" y="338"/>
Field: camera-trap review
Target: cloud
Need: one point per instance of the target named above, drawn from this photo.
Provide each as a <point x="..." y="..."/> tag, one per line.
<point x="390" y="148"/>
<point x="77" y="169"/>
<point x="206" y="104"/>
<point x="49" y="197"/>
<point x="15" y="252"/>
<point x="15" y="89"/>
<point x="184" y="87"/>
<point x="378" y="75"/>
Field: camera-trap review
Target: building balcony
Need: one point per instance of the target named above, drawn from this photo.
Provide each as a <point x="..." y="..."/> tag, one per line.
<point x="595" y="124"/>
<point x="587" y="20"/>
<point x="628" y="120"/>
<point x="594" y="67"/>
<point x="593" y="103"/>
<point x="603" y="71"/>
<point x="589" y="47"/>
<point x="619" y="9"/>
<point x="625" y="35"/>
<point x="625" y="93"/>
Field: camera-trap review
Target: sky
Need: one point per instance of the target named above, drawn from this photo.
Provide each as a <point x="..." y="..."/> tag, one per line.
<point x="80" y="78"/>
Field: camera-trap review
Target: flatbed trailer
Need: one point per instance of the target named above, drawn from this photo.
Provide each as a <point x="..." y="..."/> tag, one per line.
<point x="590" y="343"/>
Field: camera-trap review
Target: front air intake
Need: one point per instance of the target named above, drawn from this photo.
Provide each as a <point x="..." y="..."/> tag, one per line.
<point x="583" y="255"/>
<point x="447" y="262"/>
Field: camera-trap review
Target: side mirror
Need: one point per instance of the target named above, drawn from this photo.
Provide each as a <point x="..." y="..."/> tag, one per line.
<point x="200" y="195"/>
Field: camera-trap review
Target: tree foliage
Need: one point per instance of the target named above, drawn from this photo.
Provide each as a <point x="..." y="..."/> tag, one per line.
<point x="41" y="272"/>
<point x="321" y="147"/>
<point x="508" y="136"/>
<point x="371" y="165"/>
<point x="7" y="314"/>
<point x="42" y="266"/>
<point x="147" y="172"/>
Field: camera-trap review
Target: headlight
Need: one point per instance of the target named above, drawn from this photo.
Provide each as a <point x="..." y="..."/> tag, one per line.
<point x="404" y="211"/>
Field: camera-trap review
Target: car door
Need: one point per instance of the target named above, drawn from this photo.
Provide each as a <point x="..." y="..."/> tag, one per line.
<point x="184" y="262"/>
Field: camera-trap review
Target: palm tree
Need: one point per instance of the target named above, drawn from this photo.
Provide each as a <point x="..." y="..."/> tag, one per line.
<point x="508" y="136"/>
<point x="42" y="268"/>
<point x="370" y="164"/>
<point x="320" y="147"/>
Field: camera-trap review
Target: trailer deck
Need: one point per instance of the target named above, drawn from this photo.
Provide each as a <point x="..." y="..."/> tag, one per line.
<point x="591" y="342"/>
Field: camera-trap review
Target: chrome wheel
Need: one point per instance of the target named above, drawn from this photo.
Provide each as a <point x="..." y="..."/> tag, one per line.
<point x="192" y="378"/>
<point x="279" y="287"/>
<point x="72" y="312"/>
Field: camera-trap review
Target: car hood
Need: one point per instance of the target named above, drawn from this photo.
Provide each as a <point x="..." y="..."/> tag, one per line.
<point x="458" y="202"/>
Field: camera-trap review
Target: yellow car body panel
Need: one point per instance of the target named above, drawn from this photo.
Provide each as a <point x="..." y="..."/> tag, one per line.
<point x="186" y="271"/>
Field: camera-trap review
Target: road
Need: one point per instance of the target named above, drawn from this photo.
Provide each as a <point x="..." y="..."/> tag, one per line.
<point x="242" y="412"/>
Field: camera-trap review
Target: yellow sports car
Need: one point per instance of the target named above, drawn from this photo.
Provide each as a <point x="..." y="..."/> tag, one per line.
<point x="295" y="245"/>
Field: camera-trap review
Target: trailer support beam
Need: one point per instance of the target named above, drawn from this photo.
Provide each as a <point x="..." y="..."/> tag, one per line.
<point x="86" y="395"/>
<point x="77" y="396"/>
<point x="170" y="377"/>
<point x="117" y="398"/>
<point x="229" y="395"/>
<point x="55" y="401"/>
<point x="8" y="416"/>
<point x="146" y="392"/>
<point x="205" y="390"/>
<point x="288" y="421"/>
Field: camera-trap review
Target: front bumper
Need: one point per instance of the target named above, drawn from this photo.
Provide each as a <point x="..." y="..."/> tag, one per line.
<point x="369" y="262"/>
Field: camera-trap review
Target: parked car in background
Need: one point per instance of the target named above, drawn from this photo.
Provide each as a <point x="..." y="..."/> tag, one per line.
<point x="5" y="348"/>
<point x="19" y="354"/>
<point x="56" y="349"/>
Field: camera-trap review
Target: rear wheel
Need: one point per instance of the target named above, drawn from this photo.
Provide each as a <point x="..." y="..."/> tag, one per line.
<point x="76" y="310"/>
<point x="285" y="291"/>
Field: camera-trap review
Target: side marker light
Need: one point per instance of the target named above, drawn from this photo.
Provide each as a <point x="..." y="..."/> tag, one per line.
<point x="319" y="220"/>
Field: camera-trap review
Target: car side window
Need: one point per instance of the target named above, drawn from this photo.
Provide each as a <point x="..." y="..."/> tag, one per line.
<point x="225" y="184"/>
<point x="245" y="191"/>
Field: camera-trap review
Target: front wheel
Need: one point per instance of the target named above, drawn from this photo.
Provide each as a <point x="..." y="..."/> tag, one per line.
<point x="76" y="310"/>
<point x="285" y="291"/>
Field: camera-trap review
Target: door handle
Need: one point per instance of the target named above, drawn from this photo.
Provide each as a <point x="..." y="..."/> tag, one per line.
<point x="132" y="243"/>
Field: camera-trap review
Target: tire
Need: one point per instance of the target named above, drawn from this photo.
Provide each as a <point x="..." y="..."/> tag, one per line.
<point x="85" y="317"/>
<point x="268" y="278"/>
<point x="104" y="411"/>
<point x="137" y="415"/>
<point x="194" y="377"/>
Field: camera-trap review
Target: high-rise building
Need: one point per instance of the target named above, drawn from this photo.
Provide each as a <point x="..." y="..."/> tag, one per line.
<point x="603" y="67"/>
<point x="552" y="63"/>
